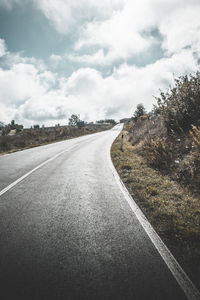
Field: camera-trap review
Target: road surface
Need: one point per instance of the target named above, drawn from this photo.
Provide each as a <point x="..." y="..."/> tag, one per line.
<point x="67" y="231"/>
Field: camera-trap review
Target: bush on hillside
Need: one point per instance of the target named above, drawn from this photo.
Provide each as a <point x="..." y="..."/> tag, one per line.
<point x="180" y="107"/>
<point x="139" y="112"/>
<point x="195" y="154"/>
<point x="145" y="127"/>
<point x="158" y="152"/>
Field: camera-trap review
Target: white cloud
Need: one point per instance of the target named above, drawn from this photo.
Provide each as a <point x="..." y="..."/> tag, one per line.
<point x="116" y="27"/>
<point x="11" y="59"/>
<point x="122" y="35"/>
<point x="181" y="29"/>
<point x="32" y="94"/>
<point x="117" y="30"/>
<point x="25" y="81"/>
<point x="99" y="58"/>
<point x="141" y="84"/>
<point x="88" y="93"/>
<point x="19" y="84"/>
<point x="65" y="14"/>
<point x="55" y="58"/>
<point x="2" y="48"/>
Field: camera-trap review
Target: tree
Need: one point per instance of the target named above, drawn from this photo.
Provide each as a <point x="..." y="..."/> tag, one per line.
<point x="100" y="121"/>
<point x="110" y="121"/>
<point x="140" y="111"/>
<point x="80" y="124"/>
<point x="74" y="120"/>
<point x="12" y="124"/>
<point x="36" y="126"/>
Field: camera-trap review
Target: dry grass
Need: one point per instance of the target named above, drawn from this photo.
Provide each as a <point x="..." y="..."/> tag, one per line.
<point x="29" y="138"/>
<point x="171" y="209"/>
<point x="145" y="127"/>
<point x="177" y="156"/>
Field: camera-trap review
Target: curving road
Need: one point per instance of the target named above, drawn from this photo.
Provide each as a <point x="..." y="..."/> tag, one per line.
<point x="68" y="232"/>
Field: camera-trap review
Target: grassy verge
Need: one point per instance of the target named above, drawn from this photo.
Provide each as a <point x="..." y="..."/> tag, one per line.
<point x="171" y="209"/>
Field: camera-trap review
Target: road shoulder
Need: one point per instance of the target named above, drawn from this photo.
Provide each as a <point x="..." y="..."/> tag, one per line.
<point x="172" y="211"/>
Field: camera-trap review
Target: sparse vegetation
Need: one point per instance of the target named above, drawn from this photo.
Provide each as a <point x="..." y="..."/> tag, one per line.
<point x="168" y="139"/>
<point x="108" y="121"/>
<point x="13" y="140"/>
<point x="180" y="107"/>
<point x="160" y="166"/>
<point x="172" y="210"/>
<point x="139" y="112"/>
<point x="195" y="156"/>
<point x="75" y="120"/>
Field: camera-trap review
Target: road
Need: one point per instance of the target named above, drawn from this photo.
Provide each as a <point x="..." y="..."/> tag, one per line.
<point x="68" y="232"/>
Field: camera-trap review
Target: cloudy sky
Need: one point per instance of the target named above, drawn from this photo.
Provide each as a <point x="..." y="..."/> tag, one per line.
<point x="95" y="58"/>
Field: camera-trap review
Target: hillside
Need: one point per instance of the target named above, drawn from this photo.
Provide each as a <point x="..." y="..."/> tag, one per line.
<point x="169" y="137"/>
<point x="160" y="166"/>
<point x="16" y="139"/>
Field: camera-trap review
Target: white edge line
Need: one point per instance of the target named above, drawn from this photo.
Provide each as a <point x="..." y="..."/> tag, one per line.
<point x="30" y="172"/>
<point x="181" y="277"/>
<point x="190" y="290"/>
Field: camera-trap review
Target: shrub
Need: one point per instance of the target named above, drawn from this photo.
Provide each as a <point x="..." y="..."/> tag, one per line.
<point x="146" y="127"/>
<point x="195" y="155"/>
<point x="126" y="167"/>
<point x="140" y="111"/>
<point x="195" y="133"/>
<point x="158" y="152"/>
<point x="5" y="143"/>
<point x="130" y="126"/>
<point x="180" y="107"/>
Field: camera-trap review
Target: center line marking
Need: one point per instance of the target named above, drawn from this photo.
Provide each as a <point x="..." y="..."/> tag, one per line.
<point x="30" y="172"/>
<point x="86" y="138"/>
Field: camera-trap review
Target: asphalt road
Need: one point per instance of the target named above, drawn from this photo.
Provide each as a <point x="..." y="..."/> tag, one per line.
<point x="67" y="231"/>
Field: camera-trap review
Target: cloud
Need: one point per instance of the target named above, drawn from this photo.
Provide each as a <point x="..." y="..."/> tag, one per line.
<point x="66" y="14"/>
<point x="2" y="48"/>
<point x="88" y="93"/>
<point x="128" y="31"/>
<point x="25" y="81"/>
<point x="8" y="4"/>
<point x="55" y="58"/>
<point x="122" y="29"/>
<point x="120" y="34"/>
<point x="22" y="79"/>
<point x="109" y="34"/>
<point x="41" y="96"/>
<point x="181" y="29"/>
<point x="98" y="58"/>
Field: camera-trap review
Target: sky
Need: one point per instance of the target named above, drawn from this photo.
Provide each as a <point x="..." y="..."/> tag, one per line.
<point x="95" y="58"/>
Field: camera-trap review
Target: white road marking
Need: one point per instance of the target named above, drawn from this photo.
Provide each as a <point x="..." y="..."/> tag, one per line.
<point x="181" y="277"/>
<point x="81" y="139"/>
<point x="30" y="172"/>
<point x="190" y="290"/>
